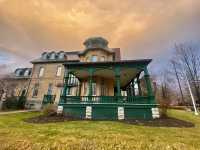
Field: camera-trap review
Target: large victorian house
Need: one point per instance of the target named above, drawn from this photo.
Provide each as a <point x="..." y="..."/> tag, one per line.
<point x="93" y="83"/>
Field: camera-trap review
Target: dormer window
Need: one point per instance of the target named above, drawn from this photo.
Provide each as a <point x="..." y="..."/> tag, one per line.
<point x="18" y="72"/>
<point x="44" y="55"/>
<point x="61" y="56"/>
<point x="52" y="56"/>
<point x="94" y="58"/>
<point x="26" y="73"/>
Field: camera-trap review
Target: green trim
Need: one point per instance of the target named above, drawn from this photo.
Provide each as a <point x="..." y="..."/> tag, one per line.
<point x="91" y="71"/>
<point x="117" y="80"/>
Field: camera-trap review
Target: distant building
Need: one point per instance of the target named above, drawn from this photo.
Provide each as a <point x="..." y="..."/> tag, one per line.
<point x="91" y="83"/>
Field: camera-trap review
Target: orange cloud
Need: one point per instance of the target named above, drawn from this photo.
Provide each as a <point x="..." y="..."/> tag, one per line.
<point x="140" y="28"/>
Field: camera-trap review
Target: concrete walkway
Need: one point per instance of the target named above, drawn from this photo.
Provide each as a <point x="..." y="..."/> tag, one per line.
<point x="16" y="111"/>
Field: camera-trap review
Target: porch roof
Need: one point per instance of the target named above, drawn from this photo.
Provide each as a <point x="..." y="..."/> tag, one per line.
<point x="129" y="69"/>
<point x="108" y="63"/>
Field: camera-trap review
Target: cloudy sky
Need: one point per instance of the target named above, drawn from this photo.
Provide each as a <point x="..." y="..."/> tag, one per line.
<point x="142" y="29"/>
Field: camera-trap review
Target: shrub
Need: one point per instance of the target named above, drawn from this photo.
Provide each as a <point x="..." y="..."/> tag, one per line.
<point x="21" y="102"/>
<point x="13" y="103"/>
<point x="50" y="109"/>
<point x="164" y="105"/>
<point x="10" y="103"/>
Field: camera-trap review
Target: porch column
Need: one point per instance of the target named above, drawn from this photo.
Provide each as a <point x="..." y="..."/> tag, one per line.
<point x="79" y="90"/>
<point x="139" y="87"/>
<point x="117" y="80"/>
<point x="91" y="71"/>
<point x="65" y="88"/>
<point x="133" y="87"/>
<point x="148" y="82"/>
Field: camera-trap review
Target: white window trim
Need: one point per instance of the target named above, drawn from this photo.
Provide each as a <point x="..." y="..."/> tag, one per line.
<point x="59" y="71"/>
<point x="41" y="72"/>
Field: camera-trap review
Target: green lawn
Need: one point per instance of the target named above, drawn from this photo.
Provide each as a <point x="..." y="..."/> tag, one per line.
<point x="96" y="135"/>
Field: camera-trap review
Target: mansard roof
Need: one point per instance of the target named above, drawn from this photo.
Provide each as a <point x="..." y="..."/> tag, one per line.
<point x="22" y="72"/>
<point x="60" y="56"/>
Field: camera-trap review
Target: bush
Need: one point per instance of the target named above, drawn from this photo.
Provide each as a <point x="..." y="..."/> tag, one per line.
<point x="49" y="109"/>
<point x="10" y="103"/>
<point x="14" y="103"/>
<point x="164" y="105"/>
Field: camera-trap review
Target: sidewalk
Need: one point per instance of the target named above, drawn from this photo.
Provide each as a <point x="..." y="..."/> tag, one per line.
<point x="15" y="111"/>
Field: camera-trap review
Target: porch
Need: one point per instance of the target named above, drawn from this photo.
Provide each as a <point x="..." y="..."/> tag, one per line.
<point x="104" y="88"/>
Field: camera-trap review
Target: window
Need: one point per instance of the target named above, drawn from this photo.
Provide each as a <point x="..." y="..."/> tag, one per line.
<point x="44" y="55"/>
<point x="35" y="90"/>
<point x="18" y="72"/>
<point x="59" y="71"/>
<point x="41" y="72"/>
<point x="102" y="58"/>
<point x="26" y="73"/>
<point x="53" y="56"/>
<point x="61" y="55"/>
<point x="50" y="89"/>
<point x="94" y="58"/>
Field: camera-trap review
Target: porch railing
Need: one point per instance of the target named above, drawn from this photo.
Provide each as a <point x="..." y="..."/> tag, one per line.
<point x="48" y="99"/>
<point x="107" y="99"/>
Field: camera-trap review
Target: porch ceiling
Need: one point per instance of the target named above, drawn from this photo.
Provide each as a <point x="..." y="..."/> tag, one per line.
<point x="126" y="74"/>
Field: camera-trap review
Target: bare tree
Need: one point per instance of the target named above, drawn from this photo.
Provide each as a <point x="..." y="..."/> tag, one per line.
<point x="178" y="79"/>
<point x="7" y="85"/>
<point x="187" y="59"/>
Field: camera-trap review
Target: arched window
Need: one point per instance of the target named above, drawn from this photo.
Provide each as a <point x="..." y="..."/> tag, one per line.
<point x="41" y="72"/>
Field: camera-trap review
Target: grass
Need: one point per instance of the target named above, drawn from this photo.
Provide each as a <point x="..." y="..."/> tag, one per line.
<point x="96" y="135"/>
